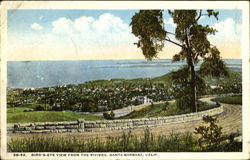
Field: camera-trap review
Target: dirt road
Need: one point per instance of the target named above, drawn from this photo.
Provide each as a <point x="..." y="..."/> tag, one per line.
<point x="230" y="120"/>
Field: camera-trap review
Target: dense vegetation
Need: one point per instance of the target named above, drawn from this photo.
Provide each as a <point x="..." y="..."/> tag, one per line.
<point x="90" y="97"/>
<point x="102" y="95"/>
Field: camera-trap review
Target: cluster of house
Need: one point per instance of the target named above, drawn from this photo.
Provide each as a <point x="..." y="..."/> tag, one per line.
<point x="139" y="100"/>
<point x="41" y="93"/>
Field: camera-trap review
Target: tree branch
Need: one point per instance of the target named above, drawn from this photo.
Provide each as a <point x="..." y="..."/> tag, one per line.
<point x="200" y="14"/>
<point x="189" y="50"/>
<point x="212" y="45"/>
<point x="182" y="46"/>
<point x="196" y="55"/>
<point x="170" y="33"/>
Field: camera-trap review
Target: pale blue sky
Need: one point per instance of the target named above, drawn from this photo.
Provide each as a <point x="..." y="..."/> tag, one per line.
<point x="58" y="34"/>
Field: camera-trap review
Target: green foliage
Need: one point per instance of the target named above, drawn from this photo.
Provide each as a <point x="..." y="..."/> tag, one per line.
<point x="191" y="34"/>
<point x="181" y="80"/>
<point x="109" y="116"/>
<point x="226" y="84"/>
<point x="184" y="102"/>
<point x="88" y="104"/>
<point x="112" y="115"/>
<point x="39" y="108"/>
<point x="181" y="77"/>
<point x="202" y="106"/>
<point x="213" y="13"/>
<point x="212" y="63"/>
<point x="148" y="26"/>
<point x="233" y="84"/>
<point x="212" y="139"/>
<point x="210" y="134"/>
<point x="182" y="88"/>
<point x="165" y="106"/>
<point x="231" y="143"/>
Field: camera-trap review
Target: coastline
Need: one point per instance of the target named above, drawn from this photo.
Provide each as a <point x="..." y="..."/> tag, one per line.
<point x="40" y="74"/>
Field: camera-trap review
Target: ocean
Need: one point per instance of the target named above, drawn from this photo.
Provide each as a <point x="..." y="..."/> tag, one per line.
<point x="34" y="74"/>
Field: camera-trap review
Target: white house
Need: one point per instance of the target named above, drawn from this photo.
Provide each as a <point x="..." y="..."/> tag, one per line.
<point x="143" y="100"/>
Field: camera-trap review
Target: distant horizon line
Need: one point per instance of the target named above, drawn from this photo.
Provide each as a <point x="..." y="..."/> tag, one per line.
<point x="107" y="59"/>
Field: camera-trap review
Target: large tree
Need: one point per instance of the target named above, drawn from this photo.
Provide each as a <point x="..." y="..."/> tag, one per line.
<point x="190" y="36"/>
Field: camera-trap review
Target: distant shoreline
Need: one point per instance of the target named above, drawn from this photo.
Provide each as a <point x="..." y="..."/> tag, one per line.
<point x="12" y="88"/>
<point x="159" y="59"/>
<point x="40" y="74"/>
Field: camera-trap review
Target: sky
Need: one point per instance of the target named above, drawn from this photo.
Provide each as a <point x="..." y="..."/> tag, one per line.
<point x="101" y="34"/>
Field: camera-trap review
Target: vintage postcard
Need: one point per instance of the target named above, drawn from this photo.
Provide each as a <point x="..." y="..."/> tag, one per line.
<point x="125" y="80"/>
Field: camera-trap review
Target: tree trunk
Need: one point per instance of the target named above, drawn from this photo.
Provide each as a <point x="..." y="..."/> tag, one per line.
<point x="193" y="89"/>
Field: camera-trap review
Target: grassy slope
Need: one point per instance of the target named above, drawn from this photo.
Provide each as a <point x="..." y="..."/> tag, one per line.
<point x="16" y="114"/>
<point x="156" y="110"/>
<point x="166" y="78"/>
<point x="145" y="112"/>
<point x="17" y="109"/>
<point x="161" y="79"/>
<point x="229" y="99"/>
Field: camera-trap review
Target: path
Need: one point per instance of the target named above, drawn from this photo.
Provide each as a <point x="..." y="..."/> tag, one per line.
<point x="230" y="120"/>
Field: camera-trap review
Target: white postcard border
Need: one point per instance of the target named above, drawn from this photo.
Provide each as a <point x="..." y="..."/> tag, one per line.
<point x="132" y="5"/>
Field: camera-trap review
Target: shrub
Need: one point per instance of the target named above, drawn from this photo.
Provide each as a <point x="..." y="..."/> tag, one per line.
<point x="165" y="106"/>
<point x="210" y="134"/>
<point x="39" y="108"/>
<point x="28" y="110"/>
<point x="166" y="103"/>
<point x="110" y="115"/>
<point x="106" y="115"/>
<point x="232" y="144"/>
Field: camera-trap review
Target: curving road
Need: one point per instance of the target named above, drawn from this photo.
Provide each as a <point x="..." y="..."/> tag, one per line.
<point x="230" y="120"/>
